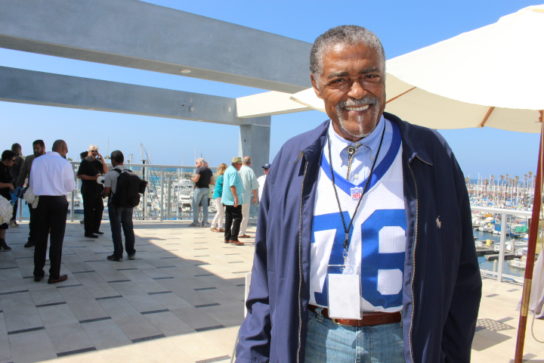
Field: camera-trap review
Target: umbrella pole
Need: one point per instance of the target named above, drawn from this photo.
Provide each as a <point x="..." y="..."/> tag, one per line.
<point x="533" y="234"/>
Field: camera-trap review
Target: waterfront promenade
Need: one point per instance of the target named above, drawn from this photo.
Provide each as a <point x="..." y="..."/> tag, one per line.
<point x="180" y="300"/>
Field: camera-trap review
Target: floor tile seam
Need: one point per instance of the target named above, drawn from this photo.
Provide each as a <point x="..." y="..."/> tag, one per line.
<point x="51" y="304"/>
<point x="27" y="330"/>
<point x="13" y="292"/>
<point x="151" y="337"/>
<point x="158" y="311"/>
<point x="214" y="359"/>
<point x="94" y="320"/>
<point x="76" y="351"/>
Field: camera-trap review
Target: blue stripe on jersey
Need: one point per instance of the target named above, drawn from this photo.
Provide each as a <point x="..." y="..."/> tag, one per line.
<point x="374" y="261"/>
<point x="379" y="170"/>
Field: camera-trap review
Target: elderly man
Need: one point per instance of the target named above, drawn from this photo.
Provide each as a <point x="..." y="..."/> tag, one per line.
<point x="51" y="178"/>
<point x="233" y="198"/>
<point x="202" y="179"/>
<point x="364" y="247"/>
<point x="249" y="182"/>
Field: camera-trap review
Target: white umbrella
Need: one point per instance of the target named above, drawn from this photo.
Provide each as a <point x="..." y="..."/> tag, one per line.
<point x="492" y="76"/>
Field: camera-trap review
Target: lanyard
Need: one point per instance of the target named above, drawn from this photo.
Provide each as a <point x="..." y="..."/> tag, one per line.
<point x="347" y="228"/>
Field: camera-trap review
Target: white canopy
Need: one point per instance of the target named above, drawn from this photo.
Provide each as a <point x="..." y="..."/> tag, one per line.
<point x="492" y="76"/>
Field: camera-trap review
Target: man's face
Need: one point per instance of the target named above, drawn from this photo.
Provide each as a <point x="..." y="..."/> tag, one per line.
<point x="38" y="150"/>
<point x="352" y="85"/>
<point x="93" y="153"/>
<point x="238" y="166"/>
<point x="198" y="163"/>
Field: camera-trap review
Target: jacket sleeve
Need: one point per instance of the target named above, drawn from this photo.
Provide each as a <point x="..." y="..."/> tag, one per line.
<point x="254" y="335"/>
<point x="463" y="313"/>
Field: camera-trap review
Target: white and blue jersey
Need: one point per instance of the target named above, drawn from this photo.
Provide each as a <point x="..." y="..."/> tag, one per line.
<point x="377" y="238"/>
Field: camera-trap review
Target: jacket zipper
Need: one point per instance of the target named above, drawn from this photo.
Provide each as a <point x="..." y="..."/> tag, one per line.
<point x="414" y="261"/>
<point x="300" y="263"/>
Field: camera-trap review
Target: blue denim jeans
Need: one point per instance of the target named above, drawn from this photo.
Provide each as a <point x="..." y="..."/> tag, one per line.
<point x="327" y="341"/>
<point x="200" y="198"/>
<point x="121" y="218"/>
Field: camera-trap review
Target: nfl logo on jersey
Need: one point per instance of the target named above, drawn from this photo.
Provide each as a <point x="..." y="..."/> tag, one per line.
<point x="356" y="193"/>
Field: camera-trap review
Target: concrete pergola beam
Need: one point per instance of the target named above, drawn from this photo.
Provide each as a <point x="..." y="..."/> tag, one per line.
<point x="145" y="36"/>
<point x="23" y="86"/>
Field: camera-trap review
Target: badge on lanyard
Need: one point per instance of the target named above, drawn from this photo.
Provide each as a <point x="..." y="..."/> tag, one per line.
<point x="356" y="193"/>
<point x="344" y="296"/>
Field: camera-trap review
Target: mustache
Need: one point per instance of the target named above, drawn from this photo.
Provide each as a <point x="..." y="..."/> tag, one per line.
<point x="367" y="100"/>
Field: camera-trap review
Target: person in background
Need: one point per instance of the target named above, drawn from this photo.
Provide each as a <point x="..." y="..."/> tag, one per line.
<point x="202" y="178"/>
<point x="219" y="218"/>
<point x="89" y="170"/>
<point x="262" y="179"/>
<point x="119" y="216"/>
<point x="232" y="199"/>
<point x="249" y="182"/>
<point x="15" y="170"/>
<point x="23" y="179"/>
<point x="6" y="186"/>
<point x="51" y="178"/>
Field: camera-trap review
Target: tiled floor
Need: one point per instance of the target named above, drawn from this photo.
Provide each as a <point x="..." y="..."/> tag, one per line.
<point x="184" y="289"/>
<point x="179" y="301"/>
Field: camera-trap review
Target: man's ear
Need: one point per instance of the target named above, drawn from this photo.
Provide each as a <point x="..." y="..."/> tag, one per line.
<point x="315" y="87"/>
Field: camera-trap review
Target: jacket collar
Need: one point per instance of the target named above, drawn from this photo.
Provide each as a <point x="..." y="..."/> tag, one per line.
<point x="412" y="147"/>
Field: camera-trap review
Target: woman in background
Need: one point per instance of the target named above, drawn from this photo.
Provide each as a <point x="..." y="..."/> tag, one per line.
<point x="219" y="219"/>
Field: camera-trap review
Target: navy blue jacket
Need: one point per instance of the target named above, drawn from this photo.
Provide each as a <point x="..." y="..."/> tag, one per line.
<point x="442" y="283"/>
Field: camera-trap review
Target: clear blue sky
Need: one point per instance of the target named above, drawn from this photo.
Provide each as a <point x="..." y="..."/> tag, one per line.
<point x="403" y="26"/>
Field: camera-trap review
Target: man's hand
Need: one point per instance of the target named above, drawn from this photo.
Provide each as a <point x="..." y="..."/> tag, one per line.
<point x="235" y="196"/>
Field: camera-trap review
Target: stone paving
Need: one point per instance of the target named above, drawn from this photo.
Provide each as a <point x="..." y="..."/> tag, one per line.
<point x="180" y="300"/>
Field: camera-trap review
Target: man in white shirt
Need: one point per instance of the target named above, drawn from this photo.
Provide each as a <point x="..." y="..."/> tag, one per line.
<point x="51" y="178"/>
<point x="262" y="179"/>
<point x="249" y="181"/>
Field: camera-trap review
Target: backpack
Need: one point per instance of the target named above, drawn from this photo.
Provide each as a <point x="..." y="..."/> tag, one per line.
<point x="129" y="187"/>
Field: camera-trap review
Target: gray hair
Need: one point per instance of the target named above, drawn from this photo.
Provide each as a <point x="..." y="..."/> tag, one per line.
<point x="247" y="160"/>
<point x="347" y="34"/>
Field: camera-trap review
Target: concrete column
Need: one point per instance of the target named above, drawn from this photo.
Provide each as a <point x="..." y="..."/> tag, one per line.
<point x="255" y="142"/>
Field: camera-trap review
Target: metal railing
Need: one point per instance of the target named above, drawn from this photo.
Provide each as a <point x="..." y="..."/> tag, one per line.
<point x="498" y="253"/>
<point x="168" y="195"/>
